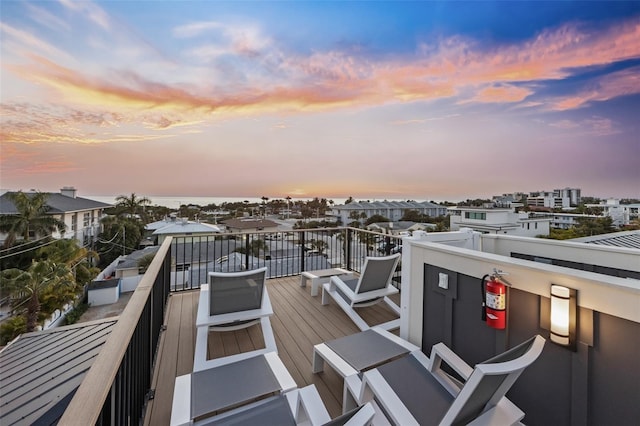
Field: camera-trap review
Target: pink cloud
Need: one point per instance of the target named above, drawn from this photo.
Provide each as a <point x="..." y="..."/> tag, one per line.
<point x="620" y="83"/>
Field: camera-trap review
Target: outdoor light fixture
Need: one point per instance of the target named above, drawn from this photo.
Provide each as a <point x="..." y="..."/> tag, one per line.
<point x="563" y="316"/>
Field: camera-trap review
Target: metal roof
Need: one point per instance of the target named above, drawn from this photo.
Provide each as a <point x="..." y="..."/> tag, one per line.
<point x="41" y="371"/>
<point x="58" y="203"/>
<point x="626" y="239"/>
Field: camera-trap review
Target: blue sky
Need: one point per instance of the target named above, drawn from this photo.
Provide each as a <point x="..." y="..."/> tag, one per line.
<point x="421" y="100"/>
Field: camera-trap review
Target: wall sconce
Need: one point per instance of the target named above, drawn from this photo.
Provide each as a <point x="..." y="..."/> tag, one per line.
<point x="563" y="316"/>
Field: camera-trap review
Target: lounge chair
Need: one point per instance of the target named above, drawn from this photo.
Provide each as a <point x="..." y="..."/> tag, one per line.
<point x="414" y="389"/>
<point x="373" y="286"/>
<point x="256" y="390"/>
<point x="231" y="301"/>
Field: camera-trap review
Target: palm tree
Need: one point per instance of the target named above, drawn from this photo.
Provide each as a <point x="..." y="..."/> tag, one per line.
<point x="264" y="203"/>
<point x="288" y="198"/>
<point x="31" y="217"/>
<point x="132" y="204"/>
<point x="28" y="286"/>
<point x="78" y="259"/>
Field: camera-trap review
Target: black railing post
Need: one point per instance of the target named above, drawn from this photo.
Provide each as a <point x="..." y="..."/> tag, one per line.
<point x="247" y="245"/>
<point x="302" y="251"/>
<point x="347" y="248"/>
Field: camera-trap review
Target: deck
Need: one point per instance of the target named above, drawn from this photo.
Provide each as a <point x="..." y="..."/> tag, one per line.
<point x="299" y="322"/>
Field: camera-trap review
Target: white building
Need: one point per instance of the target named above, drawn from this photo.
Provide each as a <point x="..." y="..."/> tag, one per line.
<point x="392" y="210"/>
<point x="497" y="221"/>
<point x="180" y="227"/>
<point x="80" y="215"/>
<point x="564" y="220"/>
<point x="621" y="214"/>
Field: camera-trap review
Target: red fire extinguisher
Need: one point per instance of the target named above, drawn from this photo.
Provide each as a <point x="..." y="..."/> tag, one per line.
<point x="494" y="302"/>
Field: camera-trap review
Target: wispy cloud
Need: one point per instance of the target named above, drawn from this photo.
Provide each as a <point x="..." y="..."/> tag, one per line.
<point x="90" y="11"/>
<point x="621" y="83"/>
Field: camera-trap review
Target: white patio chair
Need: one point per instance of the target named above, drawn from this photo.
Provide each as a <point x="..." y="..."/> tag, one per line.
<point x="414" y="390"/>
<point x="254" y="391"/>
<point x="373" y="286"/>
<point x="231" y="301"/>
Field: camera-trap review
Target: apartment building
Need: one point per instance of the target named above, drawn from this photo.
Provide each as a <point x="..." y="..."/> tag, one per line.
<point x="392" y="210"/>
<point x="80" y="215"/>
<point x="497" y="221"/>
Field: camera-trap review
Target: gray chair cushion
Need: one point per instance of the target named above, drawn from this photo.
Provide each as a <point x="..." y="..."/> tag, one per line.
<point x="274" y="411"/>
<point x="227" y="385"/>
<point x="425" y="398"/>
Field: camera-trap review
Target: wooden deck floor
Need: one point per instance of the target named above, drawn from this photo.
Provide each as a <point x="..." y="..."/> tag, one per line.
<point x="299" y="322"/>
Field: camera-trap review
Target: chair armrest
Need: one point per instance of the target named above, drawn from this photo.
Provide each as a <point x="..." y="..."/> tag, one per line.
<point x="311" y="403"/>
<point x="336" y="281"/>
<point x="440" y="352"/>
<point x="504" y="413"/>
<point x="374" y="385"/>
<point x="181" y="405"/>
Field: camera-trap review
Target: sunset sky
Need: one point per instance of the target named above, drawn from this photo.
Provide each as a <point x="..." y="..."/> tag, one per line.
<point x="396" y="100"/>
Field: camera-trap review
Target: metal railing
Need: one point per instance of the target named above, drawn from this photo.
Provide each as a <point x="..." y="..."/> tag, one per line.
<point x="284" y="253"/>
<point x="116" y="387"/>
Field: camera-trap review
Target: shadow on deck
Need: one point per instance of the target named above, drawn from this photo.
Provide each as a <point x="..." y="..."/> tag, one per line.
<point x="299" y="322"/>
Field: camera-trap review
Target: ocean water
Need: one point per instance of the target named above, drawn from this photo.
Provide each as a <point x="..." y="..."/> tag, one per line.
<point x="176" y="202"/>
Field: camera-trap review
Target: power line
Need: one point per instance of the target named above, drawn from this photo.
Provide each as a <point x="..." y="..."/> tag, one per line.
<point x="34" y="241"/>
<point x="27" y="250"/>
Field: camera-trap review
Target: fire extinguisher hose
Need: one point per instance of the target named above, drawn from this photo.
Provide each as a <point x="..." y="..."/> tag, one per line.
<point x="484" y="296"/>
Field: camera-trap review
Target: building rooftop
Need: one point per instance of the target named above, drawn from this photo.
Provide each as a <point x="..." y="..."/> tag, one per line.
<point x="42" y="370"/>
<point x="58" y="203"/>
<point x="627" y="239"/>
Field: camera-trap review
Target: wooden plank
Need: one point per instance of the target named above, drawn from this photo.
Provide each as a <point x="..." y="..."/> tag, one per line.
<point x="186" y="342"/>
<point x="299" y="322"/>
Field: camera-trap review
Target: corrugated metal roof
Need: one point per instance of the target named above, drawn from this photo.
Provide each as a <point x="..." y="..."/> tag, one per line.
<point x="41" y="371"/>
<point x="626" y="239"/>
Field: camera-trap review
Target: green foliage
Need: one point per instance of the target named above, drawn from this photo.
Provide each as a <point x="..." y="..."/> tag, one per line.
<point x="121" y="235"/>
<point x="44" y="278"/>
<point x="73" y="316"/>
<point x="132" y="206"/>
<point x="586" y="227"/>
<point x="12" y="328"/>
<point x="145" y="261"/>
<point x="376" y="218"/>
<point x="32" y="218"/>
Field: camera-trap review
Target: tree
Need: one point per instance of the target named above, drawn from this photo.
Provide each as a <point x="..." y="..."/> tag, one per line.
<point x="28" y="286"/>
<point x="132" y="205"/>
<point x="412" y="216"/>
<point x="32" y="217"/>
<point x="119" y="236"/>
<point x="78" y="259"/>
<point x="376" y="218"/>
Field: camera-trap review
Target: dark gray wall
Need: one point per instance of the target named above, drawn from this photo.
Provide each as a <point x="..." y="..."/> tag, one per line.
<point x="599" y="384"/>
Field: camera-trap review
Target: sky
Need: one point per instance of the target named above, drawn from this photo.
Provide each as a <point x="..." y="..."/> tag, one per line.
<point x="390" y="100"/>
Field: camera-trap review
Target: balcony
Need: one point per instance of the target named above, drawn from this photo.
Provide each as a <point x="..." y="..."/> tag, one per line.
<point x="599" y="381"/>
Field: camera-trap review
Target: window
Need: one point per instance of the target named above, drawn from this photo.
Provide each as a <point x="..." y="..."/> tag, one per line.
<point x="86" y="220"/>
<point x="182" y="267"/>
<point x="74" y="222"/>
<point x="475" y="215"/>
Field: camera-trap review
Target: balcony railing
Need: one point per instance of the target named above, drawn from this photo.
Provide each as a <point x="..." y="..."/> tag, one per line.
<point x="284" y="253"/>
<point x="116" y="387"/>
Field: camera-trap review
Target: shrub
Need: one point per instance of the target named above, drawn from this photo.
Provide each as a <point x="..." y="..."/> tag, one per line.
<point x="12" y="328"/>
